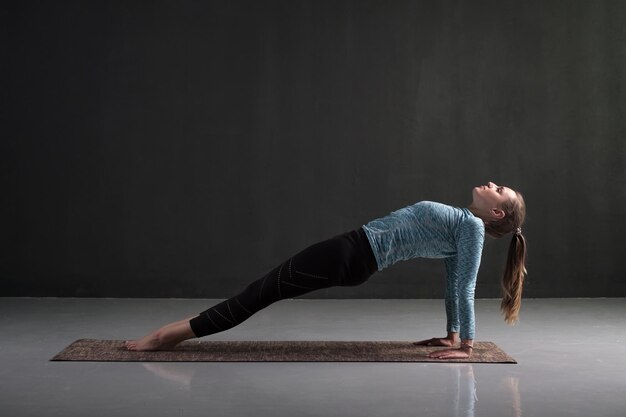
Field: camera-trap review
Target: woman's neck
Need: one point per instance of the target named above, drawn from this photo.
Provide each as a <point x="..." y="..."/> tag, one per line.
<point x="476" y="212"/>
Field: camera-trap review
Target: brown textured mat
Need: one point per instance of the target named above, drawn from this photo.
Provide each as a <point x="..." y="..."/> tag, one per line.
<point x="274" y="351"/>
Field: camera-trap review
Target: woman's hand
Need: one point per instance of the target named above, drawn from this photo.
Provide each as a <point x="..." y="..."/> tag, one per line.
<point x="451" y="354"/>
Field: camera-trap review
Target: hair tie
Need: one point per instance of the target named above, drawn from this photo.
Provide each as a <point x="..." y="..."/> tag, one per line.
<point x="518" y="231"/>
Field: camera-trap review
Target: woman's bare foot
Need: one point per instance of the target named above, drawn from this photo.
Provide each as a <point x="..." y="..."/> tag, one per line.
<point x="164" y="338"/>
<point x="149" y="342"/>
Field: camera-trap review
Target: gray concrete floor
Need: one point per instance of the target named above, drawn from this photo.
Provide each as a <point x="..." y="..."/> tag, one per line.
<point x="571" y="354"/>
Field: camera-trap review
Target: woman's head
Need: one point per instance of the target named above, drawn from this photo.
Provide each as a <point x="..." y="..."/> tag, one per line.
<point x="503" y="211"/>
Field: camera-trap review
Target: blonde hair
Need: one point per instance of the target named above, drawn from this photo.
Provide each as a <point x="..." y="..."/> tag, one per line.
<point x="515" y="270"/>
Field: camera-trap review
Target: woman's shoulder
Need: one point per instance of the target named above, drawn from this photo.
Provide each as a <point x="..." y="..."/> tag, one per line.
<point x="472" y="224"/>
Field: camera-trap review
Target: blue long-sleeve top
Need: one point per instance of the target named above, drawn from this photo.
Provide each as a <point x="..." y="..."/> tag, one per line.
<point x="434" y="230"/>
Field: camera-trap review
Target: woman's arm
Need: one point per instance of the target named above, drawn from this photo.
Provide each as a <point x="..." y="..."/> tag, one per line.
<point x="469" y="252"/>
<point x="452" y="309"/>
<point x="452" y="295"/>
<point x="462" y="271"/>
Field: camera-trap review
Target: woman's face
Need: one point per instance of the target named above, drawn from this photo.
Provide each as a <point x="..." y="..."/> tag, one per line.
<point x="490" y="197"/>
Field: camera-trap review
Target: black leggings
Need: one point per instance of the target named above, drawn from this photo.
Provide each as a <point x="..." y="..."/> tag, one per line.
<point x="344" y="260"/>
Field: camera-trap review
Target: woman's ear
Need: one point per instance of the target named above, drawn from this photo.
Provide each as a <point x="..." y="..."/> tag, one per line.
<point x="497" y="213"/>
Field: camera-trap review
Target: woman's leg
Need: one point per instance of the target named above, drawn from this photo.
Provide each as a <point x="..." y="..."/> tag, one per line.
<point x="343" y="260"/>
<point x="316" y="267"/>
<point x="284" y="281"/>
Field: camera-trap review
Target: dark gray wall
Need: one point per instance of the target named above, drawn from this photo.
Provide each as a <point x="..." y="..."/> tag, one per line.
<point x="183" y="148"/>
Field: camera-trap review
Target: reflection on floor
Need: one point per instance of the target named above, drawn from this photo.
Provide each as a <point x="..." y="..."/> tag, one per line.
<point x="571" y="354"/>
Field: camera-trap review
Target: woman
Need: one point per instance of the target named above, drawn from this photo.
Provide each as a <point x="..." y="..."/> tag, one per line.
<point x="425" y="229"/>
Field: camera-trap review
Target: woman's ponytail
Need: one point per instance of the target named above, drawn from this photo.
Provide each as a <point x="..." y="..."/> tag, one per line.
<point x="513" y="278"/>
<point x="515" y="270"/>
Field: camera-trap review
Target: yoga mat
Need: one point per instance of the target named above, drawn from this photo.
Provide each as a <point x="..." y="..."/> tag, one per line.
<point x="274" y="351"/>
